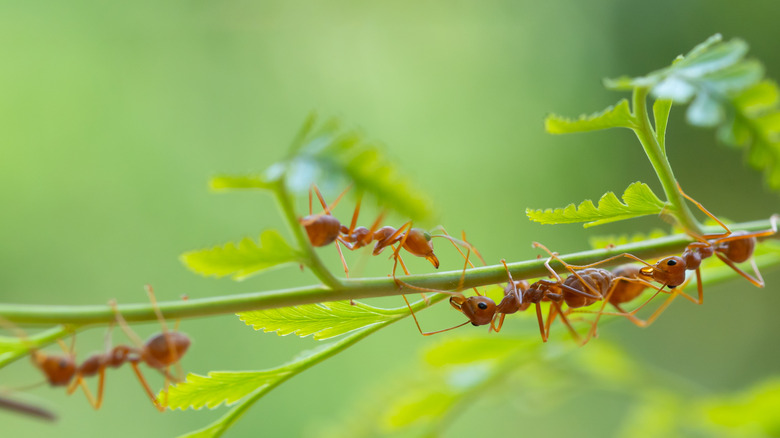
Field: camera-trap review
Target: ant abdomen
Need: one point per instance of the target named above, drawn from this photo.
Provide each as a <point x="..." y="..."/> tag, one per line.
<point x="599" y="279"/>
<point x="739" y="250"/>
<point x="322" y="230"/>
<point x="627" y="291"/>
<point x="163" y="349"/>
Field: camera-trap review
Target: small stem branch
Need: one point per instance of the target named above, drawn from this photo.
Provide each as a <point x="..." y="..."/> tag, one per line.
<point x="313" y="260"/>
<point x="646" y="135"/>
<point x="348" y="289"/>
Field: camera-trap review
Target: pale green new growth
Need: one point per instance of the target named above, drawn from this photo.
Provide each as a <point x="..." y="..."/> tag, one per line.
<point x="332" y="156"/>
<point x="324" y="320"/>
<point x="243" y="259"/>
<point x="227" y="387"/>
<point x="661" y="109"/>
<point x="639" y="201"/>
<point x="617" y="116"/>
<point x="756" y="126"/>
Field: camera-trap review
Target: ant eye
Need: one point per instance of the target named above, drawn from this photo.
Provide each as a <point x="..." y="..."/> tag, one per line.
<point x="427" y="236"/>
<point x="671" y="262"/>
<point x="482" y="306"/>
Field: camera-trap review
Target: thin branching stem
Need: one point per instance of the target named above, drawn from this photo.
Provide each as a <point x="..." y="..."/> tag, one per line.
<point x="313" y="261"/>
<point x="646" y="135"/>
<point x="349" y="289"/>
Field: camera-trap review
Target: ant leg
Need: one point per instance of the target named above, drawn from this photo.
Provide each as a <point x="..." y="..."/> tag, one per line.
<point x="699" y="288"/>
<point x="393" y="238"/>
<point x="146" y="387"/>
<point x="538" y="318"/>
<point x="341" y="254"/>
<point x="705" y="211"/>
<point x="604" y="302"/>
<point x="418" y="322"/>
<point x="757" y="282"/>
<point x="566" y="322"/>
<point x="327" y="209"/>
<point x="355" y="213"/>
<point x="600" y="262"/>
<point x="123" y="325"/>
<point x="774" y="219"/>
<point x="455" y="242"/>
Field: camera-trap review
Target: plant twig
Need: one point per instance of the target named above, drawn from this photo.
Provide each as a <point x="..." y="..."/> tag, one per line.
<point x="349" y="289"/>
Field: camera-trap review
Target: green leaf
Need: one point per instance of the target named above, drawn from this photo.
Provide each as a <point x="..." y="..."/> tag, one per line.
<point x="243" y="182"/>
<point x="324" y="320"/>
<point x="661" y="110"/>
<point x="639" y="201"/>
<point x="244" y="259"/>
<point x="755" y="126"/>
<point x="330" y="155"/>
<point x="227" y="387"/>
<point x="617" y="116"/>
<point x="13" y="348"/>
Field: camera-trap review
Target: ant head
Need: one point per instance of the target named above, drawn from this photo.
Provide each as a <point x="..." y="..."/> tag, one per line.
<point x="479" y="310"/>
<point x="59" y="370"/>
<point x="164" y="349"/>
<point x="418" y="242"/>
<point x="669" y="271"/>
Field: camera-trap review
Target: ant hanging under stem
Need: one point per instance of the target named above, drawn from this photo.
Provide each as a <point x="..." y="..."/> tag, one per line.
<point x="730" y="247"/>
<point x="160" y="352"/>
<point x="614" y="287"/>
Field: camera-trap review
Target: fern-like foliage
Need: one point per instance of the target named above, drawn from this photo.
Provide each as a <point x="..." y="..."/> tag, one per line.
<point x="755" y="125"/>
<point x="324" y="320"/>
<point x="639" y="200"/>
<point x="615" y="116"/>
<point x="330" y="155"/>
<point x="227" y="387"/>
<point x="243" y="259"/>
<point x="725" y="90"/>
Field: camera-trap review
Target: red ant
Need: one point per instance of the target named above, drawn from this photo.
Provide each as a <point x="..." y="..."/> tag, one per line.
<point x="519" y="295"/>
<point x="323" y="229"/>
<point x="159" y="352"/>
<point x="614" y="287"/>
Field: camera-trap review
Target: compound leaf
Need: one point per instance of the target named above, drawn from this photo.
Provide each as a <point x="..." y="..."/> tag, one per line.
<point x="324" y="320"/>
<point x="330" y="155"/>
<point x="638" y="200"/>
<point x="616" y="116"/>
<point x="243" y="259"/>
<point x="227" y="387"/>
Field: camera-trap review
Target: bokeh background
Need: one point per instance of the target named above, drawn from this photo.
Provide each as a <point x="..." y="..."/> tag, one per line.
<point x="114" y="115"/>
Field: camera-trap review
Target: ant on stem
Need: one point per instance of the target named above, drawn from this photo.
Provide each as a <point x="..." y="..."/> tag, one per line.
<point x="160" y="352"/>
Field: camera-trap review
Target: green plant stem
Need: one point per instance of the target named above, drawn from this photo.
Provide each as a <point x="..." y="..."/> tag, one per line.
<point x="646" y="135"/>
<point x="349" y="289"/>
<point x="313" y="261"/>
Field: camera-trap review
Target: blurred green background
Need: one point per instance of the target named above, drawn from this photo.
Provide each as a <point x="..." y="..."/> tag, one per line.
<point x="114" y="115"/>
